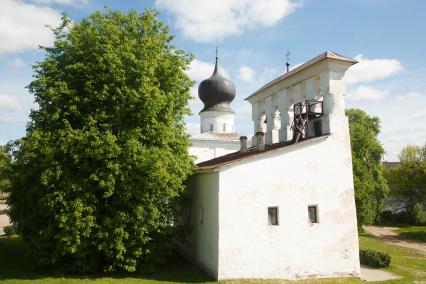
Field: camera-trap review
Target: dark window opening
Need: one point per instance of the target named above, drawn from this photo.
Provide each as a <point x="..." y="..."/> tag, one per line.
<point x="313" y="213"/>
<point x="273" y="216"/>
<point x="201" y="214"/>
<point x="318" y="128"/>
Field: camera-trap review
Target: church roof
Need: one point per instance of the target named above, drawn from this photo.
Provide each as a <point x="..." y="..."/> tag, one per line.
<point x="216" y="136"/>
<point x="216" y="92"/>
<point x="327" y="54"/>
<point x="252" y="152"/>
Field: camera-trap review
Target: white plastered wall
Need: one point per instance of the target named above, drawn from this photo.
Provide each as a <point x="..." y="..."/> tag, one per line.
<point x="217" y="121"/>
<point x="202" y="246"/>
<point x="205" y="150"/>
<point x="315" y="172"/>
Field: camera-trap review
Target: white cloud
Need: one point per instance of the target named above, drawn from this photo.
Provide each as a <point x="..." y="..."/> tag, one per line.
<point x="268" y="75"/>
<point x="16" y="63"/>
<point x="366" y="93"/>
<point x="61" y="2"/>
<point x="13" y="119"/>
<point x="243" y="111"/>
<point x="246" y="74"/>
<point x="207" y="20"/>
<point x="372" y="69"/>
<point x="408" y="96"/>
<point x="23" y="26"/>
<point x="200" y="70"/>
<point x="193" y="128"/>
<point x="400" y="125"/>
<point x="9" y="104"/>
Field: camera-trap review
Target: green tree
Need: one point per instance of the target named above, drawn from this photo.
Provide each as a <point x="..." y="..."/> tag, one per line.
<point x="408" y="181"/>
<point x="97" y="181"/>
<point x="367" y="152"/>
<point x="4" y="170"/>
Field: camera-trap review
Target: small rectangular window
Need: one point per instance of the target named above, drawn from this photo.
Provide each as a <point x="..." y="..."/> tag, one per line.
<point x="313" y="213"/>
<point x="273" y="216"/>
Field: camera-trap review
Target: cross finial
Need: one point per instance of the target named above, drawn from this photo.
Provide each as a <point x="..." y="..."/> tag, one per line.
<point x="215" y="65"/>
<point x="287" y="64"/>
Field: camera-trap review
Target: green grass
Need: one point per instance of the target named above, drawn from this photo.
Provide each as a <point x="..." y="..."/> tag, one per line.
<point x="16" y="268"/>
<point x="407" y="263"/>
<point x="415" y="233"/>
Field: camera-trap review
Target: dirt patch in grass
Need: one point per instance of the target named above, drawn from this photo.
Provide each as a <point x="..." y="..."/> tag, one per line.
<point x="391" y="235"/>
<point x="415" y="233"/>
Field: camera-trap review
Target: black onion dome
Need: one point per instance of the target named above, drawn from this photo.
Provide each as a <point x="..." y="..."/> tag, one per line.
<point x="216" y="92"/>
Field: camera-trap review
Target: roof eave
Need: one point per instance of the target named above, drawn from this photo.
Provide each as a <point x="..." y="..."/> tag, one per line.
<point x="216" y="168"/>
<point x="319" y="58"/>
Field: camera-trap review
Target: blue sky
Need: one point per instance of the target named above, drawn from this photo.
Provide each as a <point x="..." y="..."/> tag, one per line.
<point x="388" y="37"/>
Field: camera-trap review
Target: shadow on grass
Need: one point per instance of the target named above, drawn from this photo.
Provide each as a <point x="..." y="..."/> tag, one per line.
<point x="15" y="265"/>
<point x="419" y="236"/>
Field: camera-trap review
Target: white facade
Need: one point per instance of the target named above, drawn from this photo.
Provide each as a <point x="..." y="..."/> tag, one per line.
<point x="231" y="237"/>
<point x="210" y="145"/>
<point x="217" y="136"/>
<point x="217" y="121"/>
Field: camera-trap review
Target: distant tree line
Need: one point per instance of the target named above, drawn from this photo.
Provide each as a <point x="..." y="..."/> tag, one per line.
<point x="395" y="194"/>
<point x="407" y="182"/>
<point x="367" y="153"/>
<point x="4" y="166"/>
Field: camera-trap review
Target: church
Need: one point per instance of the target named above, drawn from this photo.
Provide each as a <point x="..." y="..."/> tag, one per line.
<point x="283" y="207"/>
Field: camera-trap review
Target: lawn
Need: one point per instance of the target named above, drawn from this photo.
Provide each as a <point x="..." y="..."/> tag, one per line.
<point x="15" y="268"/>
<point x="415" y="233"/>
<point x="408" y="263"/>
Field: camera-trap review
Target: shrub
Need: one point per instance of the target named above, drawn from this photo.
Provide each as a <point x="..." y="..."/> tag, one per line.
<point x="374" y="258"/>
<point x="401" y="217"/>
<point x="9" y="230"/>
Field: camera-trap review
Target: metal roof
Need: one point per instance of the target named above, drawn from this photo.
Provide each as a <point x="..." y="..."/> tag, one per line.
<point x="327" y="54"/>
<point x="216" y="92"/>
<point x="251" y="152"/>
<point x="216" y="136"/>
